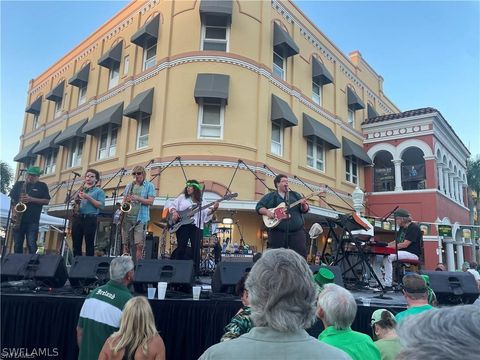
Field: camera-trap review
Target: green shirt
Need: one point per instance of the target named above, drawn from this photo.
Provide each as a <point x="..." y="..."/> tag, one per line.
<point x="412" y="311"/>
<point x="389" y="348"/>
<point x="359" y="346"/>
<point x="100" y="317"/>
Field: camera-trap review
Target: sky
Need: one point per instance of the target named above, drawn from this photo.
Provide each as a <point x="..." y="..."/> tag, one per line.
<point x="428" y="53"/>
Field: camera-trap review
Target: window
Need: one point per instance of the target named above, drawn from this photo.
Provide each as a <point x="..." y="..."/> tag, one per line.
<point x="35" y="121"/>
<point x="50" y="160"/>
<point x="279" y="65"/>
<point x="113" y="76"/>
<point x="149" y="56"/>
<point x="82" y="94"/>
<point x="107" y="142"/>
<point x="215" y="34"/>
<point x="351" y="117"/>
<point x="277" y="139"/>
<point x="210" y="120"/>
<point x="75" y="153"/>
<point x="315" y="153"/>
<point x="58" y="107"/>
<point x="316" y="93"/>
<point x="142" y="132"/>
<point x="126" y="63"/>
<point x="351" y="169"/>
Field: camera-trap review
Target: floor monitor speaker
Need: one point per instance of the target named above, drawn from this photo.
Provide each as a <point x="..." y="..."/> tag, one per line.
<point x="88" y="270"/>
<point x="453" y="287"/>
<point x="177" y="273"/>
<point x="227" y="274"/>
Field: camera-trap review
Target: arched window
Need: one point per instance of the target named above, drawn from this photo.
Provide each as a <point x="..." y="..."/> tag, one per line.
<point x="384" y="172"/>
<point x="413" y="169"/>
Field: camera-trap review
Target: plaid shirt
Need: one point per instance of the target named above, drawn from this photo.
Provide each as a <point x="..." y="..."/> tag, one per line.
<point x="148" y="191"/>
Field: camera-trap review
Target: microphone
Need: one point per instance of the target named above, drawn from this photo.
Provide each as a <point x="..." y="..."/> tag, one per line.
<point x="21" y="170"/>
<point x="76" y="174"/>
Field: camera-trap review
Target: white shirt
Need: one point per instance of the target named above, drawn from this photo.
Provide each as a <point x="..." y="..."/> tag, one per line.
<point x="182" y="203"/>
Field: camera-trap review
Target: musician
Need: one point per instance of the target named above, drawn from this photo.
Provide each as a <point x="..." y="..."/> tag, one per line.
<point x="409" y="239"/>
<point x="140" y="194"/>
<point x="84" y="223"/>
<point x="192" y="195"/>
<point x="290" y="232"/>
<point x="34" y="194"/>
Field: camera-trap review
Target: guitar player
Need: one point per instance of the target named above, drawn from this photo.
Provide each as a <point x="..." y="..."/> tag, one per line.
<point x="191" y="196"/>
<point x="290" y="232"/>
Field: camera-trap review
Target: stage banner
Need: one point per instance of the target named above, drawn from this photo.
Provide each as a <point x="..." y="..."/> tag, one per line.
<point x="466" y="233"/>
<point x="444" y="230"/>
<point x="425" y="229"/>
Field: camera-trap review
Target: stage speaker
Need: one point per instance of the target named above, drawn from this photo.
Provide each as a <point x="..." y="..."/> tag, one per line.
<point x="88" y="270"/>
<point x="452" y="287"/>
<point x="337" y="271"/>
<point x="151" y="247"/>
<point x="227" y="274"/>
<point x="177" y="273"/>
<point x="48" y="269"/>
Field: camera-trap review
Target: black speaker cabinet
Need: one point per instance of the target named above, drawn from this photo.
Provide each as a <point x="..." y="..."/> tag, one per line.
<point x="337" y="271"/>
<point x="88" y="270"/>
<point x="452" y="287"/>
<point x="177" y="273"/>
<point x="227" y="275"/>
<point x="48" y="269"/>
<point x="151" y="247"/>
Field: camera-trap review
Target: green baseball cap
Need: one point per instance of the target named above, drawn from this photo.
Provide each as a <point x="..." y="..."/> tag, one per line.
<point x="34" y="170"/>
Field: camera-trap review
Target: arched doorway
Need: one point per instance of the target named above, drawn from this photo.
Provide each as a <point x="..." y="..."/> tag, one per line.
<point x="413" y="169"/>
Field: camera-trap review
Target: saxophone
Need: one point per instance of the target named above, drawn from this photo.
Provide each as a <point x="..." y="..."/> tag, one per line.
<point x="77" y="201"/>
<point x="127" y="206"/>
<point x="20" y="207"/>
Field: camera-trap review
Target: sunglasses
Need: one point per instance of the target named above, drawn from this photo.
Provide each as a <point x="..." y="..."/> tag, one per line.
<point x="137" y="173"/>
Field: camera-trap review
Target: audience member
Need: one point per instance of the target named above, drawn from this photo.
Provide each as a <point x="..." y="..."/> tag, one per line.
<point x="416" y="294"/>
<point x="337" y="309"/>
<point x="137" y="337"/>
<point x="241" y="323"/>
<point x="383" y="329"/>
<point x="282" y="298"/>
<point x="440" y="267"/>
<point x="101" y="312"/>
<point x="449" y="333"/>
<point x="432" y="298"/>
<point x="323" y="276"/>
<point x="467" y="268"/>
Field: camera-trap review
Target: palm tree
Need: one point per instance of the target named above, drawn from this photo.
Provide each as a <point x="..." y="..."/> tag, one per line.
<point x="6" y="177"/>
<point x="473" y="178"/>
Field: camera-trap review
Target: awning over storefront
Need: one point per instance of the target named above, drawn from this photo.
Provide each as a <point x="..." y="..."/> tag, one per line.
<point x="80" y="79"/>
<point x="26" y="153"/>
<point x="72" y="131"/>
<point x="56" y="94"/>
<point x="35" y="107"/>
<point x="320" y="74"/>
<point x="212" y="86"/>
<point x="281" y="112"/>
<point x="140" y="105"/>
<point x="111" y="115"/>
<point x="112" y="56"/>
<point x="218" y="8"/>
<point x="46" y="144"/>
<point x="283" y="42"/>
<point x="312" y="127"/>
<point x="354" y="102"/>
<point x="371" y="112"/>
<point x="147" y="35"/>
<point x="352" y="149"/>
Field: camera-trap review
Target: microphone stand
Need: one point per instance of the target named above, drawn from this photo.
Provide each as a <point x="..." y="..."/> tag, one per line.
<point x="113" y="236"/>
<point x="67" y="215"/>
<point x="56" y="188"/>
<point x="256" y="176"/>
<point x="7" y="226"/>
<point x="266" y="167"/>
<point x="166" y="167"/>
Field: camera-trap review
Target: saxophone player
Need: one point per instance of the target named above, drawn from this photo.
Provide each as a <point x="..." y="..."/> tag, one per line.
<point x="84" y="222"/>
<point x="33" y="194"/>
<point x="139" y="194"/>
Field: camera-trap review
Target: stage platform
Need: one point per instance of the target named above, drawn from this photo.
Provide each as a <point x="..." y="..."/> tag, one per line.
<point x="41" y="318"/>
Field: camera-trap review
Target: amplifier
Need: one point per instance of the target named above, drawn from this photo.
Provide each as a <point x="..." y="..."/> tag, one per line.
<point x="237" y="257"/>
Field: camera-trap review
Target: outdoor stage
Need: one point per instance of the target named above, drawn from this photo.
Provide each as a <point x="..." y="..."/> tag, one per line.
<point x="47" y="320"/>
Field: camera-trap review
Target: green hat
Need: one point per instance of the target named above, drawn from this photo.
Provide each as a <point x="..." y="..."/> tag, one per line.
<point x="402" y="213"/>
<point x="34" y="170"/>
<point x="324" y="276"/>
<point x="427" y="279"/>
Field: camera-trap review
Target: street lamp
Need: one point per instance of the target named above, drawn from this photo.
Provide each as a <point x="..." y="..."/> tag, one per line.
<point x="357" y="197"/>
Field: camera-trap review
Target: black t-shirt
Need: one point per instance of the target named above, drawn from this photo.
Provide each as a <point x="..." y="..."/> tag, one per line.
<point x="38" y="190"/>
<point x="414" y="234"/>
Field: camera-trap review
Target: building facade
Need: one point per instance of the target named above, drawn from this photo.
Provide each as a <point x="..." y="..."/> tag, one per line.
<point x="225" y="92"/>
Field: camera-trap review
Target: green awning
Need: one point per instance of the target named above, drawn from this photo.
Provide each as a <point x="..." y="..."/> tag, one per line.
<point x="147" y="35"/>
<point x="46" y="144"/>
<point x="320" y="74"/>
<point x="217" y="8"/>
<point x="283" y="43"/>
<point x="354" y="102"/>
<point x="140" y="105"/>
<point x="312" y="127"/>
<point x="26" y="153"/>
<point x="56" y="94"/>
<point x="112" y="56"/>
<point x="34" y="108"/>
<point x="80" y="79"/>
<point x="282" y="113"/>
<point x="352" y="149"/>
<point x="72" y="131"/>
<point x="111" y="115"/>
<point x="212" y="86"/>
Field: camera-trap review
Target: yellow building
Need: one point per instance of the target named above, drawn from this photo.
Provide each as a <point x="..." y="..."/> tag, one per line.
<point x="200" y="85"/>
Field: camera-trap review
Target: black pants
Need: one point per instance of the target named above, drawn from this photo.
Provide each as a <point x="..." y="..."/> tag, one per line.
<point x="296" y="240"/>
<point x="184" y="233"/>
<point x="84" y="226"/>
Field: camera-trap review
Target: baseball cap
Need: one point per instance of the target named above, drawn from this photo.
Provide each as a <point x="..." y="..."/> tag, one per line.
<point x="34" y="170"/>
<point x="377" y="316"/>
<point x="401" y="213"/>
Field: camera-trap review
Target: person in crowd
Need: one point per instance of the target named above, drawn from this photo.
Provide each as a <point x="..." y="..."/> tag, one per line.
<point x="322" y="277"/>
<point x="431" y="296"/>
<point x="440" y="267"/>
<point x="87" y="204"/>
<point x="383" y="329"/>
<point x="241" y="323"/>
<point x="282" y="298"/>
<point x="190" y="197"/>
<point x="448" y="333"/>
<point x="140" y="194"/>
<point x="137" y="337"/>
<point x="337" y="310"/>
<point x="33" y="194"/>
<point x="101" y="312"/>
<point x="415" y="292"/>
<point x="290" y="232"/>
<point x="467" y="268"/>
<point x="409" y="240"/>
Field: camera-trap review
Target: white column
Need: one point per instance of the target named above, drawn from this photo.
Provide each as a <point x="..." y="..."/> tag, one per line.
<point x="460" y="191"/>
<point x="398" y="174"/>
<point x="455" y="188"/>
<point x="450" y="181"/>
<point x="450" y="255"/>
<point x="446" y="181"/>
<point x="460" y="259"/>
<point x="440" y="177"/>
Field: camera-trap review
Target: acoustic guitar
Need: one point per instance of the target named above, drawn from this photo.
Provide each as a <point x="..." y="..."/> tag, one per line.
<point x="281" y="211"/>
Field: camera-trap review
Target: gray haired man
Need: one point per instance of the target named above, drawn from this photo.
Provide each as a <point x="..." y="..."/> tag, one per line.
<point x="282" y="298"/>
<point x="102" y="309"/>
